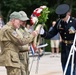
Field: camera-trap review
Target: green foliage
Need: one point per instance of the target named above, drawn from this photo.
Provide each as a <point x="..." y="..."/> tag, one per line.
<point x="48" y="48"/>
<point x="7" y="6"/>
<point x="43" y="16"/>
<point x="52" y="10"/>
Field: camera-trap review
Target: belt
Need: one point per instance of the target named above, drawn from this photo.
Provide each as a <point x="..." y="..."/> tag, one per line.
<point x="23" y="51"/>
<point x="67" y="41"/>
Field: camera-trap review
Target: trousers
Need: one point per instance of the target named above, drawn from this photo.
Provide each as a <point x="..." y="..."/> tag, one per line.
<point x="24" y="61"/>
<point x="68" y="72"/>
<point x="13" y="71"/>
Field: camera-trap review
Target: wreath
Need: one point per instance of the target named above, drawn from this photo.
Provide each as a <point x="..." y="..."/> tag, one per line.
<point x="38" y="18"/>
<point x="39" y="15"/>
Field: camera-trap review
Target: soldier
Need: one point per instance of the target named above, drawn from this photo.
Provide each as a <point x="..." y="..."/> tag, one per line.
<point x="24" y="57"/>
<point x="10" y="40"/>
<point x="66" y="26"/>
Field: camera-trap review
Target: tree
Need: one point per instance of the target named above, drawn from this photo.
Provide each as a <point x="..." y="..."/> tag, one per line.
<point x="7" y="6"/>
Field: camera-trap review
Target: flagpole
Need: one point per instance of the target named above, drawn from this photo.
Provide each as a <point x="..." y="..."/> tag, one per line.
<point x="32" y="52"/>
<point x="38" y="58"/>
<point x="31" y="65"/>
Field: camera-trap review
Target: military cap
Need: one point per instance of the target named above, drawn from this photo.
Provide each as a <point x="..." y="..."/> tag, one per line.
<point x="24" y="15"/>
<point x="16" y="15"/>
<point x="62" y="9"/>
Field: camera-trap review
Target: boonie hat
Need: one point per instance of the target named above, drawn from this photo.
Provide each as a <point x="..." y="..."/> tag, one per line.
<point x="24" y="15"/>
<point x="16" y="15"/>
<point x="62" y="9"/>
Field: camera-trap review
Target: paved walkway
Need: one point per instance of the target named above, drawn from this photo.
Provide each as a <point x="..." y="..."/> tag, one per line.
<point x="48" y="65"/>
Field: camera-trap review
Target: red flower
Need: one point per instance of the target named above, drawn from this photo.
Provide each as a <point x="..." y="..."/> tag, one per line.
<point x="31" y="22"/>
<point x="37" y="12"/>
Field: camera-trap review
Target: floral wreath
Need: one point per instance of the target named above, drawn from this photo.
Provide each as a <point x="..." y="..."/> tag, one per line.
<point x="39" y="15"/>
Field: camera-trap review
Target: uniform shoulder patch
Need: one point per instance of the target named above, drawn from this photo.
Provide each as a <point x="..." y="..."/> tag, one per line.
<point x="14" y="33"/>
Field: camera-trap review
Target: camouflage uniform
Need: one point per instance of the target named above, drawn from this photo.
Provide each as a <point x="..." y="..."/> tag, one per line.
<point x="23" y="55"/>
<point x="10" y="41"/>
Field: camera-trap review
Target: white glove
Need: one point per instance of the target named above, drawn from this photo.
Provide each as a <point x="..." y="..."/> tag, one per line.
<point x="41" y="32"/>
<point x="40" y="29"/>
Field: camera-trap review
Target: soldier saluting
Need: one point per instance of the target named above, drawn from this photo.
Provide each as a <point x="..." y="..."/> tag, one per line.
<point x="66" y="26"/>
<point x="10" y="40"/>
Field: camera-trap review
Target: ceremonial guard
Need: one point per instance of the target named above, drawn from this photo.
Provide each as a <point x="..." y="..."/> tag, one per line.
<point x="66" y="26"/>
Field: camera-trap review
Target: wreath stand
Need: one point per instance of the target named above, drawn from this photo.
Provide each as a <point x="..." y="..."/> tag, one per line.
<point x="71" y="54"/>
<point x="38" y="58"/>
<point x="37" y="41"/>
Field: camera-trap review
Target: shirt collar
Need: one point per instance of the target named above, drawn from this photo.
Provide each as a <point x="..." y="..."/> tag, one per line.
<point x="68" y="19"/>
<point x="10" y="25"/>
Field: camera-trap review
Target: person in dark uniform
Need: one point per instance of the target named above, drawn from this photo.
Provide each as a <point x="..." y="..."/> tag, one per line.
<point x="66" y="26"/>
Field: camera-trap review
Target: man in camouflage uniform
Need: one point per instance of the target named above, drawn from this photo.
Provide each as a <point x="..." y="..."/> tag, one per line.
<point x="10" y="40"/>
<point x="24" y="54"/>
